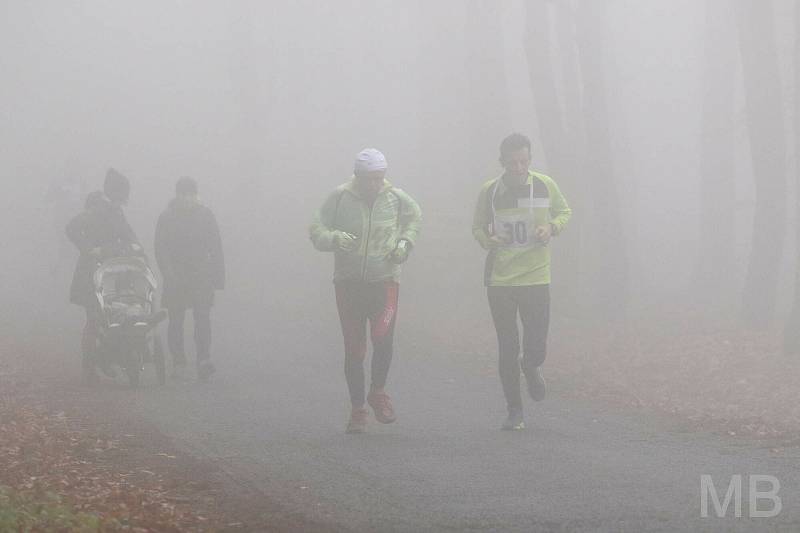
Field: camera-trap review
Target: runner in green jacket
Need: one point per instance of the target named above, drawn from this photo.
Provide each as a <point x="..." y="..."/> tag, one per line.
<point x="371" y="227"/>
<point x="516" y="216"/>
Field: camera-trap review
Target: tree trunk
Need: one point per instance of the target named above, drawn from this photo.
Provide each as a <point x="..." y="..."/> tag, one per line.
<point x="717" y="184"/>
<point x="572" y="280"/>
<point x="539" y="52"/>
<point x="791" y="336"/>
<point x="768" y="150"/>
<point x="604" y="238"/>
<point x="487" y="90"/>
<point x="572" y="118"/>
<point x="561" y="133"/>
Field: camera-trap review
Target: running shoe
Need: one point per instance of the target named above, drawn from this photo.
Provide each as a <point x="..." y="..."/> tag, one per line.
<point x="536" y="385"/>
<point x="515" y="420"/>
<point x="382" y="406"/>
<point x="358" y="421"/>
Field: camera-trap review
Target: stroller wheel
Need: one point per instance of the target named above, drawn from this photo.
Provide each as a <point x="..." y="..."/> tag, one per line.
<point x="133" y="375"/>
<point x="133" y="367"/>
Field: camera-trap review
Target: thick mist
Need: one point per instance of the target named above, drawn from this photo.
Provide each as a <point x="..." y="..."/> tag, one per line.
<point x="672" y="127"/>
<point x="265" y="104"/>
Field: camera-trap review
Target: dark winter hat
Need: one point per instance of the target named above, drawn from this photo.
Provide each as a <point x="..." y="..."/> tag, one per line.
<point x="185" y="186"/>
<point x="116" y="186"/>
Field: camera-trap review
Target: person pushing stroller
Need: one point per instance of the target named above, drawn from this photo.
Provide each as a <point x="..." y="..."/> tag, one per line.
<point x="97" y="232"/>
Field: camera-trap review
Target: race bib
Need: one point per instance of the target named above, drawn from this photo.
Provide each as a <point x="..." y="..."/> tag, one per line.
<point x="516" y="230"/>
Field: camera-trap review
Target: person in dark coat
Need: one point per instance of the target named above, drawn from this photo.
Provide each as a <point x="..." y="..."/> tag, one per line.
<point x="188" y="251"/>
<point x="99" y="231"/>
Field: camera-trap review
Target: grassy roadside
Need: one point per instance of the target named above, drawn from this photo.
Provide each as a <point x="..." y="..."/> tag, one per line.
<point x="60" y="475"/>
<point x="23" y="511"/>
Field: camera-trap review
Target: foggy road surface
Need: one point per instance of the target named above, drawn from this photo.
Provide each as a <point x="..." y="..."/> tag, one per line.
<point x="445" y="466"/>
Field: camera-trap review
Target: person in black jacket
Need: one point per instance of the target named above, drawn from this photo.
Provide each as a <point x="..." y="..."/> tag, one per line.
<point x="99" y="231"/>
<point x="188" y="251"/>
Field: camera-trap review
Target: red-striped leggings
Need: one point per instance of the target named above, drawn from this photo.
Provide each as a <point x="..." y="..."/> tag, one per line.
<point x="359" y="302"/>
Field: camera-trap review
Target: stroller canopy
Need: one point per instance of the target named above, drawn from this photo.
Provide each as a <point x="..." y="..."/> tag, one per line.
<point x="120" y="266"/>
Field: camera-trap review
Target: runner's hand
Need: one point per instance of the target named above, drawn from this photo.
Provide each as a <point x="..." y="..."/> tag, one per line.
<point x="543" y="233"/>
<point x="496" y="241"/>
<point x="344" y="242"/>
<point x="400" y="254"/>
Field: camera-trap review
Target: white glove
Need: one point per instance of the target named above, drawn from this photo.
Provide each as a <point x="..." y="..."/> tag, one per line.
<point x="400" y="253"/>
<point x="344" y="242"/>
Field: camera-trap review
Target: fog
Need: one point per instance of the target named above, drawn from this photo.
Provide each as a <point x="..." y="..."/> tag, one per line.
<point x="667" y="118"/>
<point x="267" y="103"/>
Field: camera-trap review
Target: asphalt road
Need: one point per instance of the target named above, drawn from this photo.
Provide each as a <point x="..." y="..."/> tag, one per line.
<point x="274" y="418"/>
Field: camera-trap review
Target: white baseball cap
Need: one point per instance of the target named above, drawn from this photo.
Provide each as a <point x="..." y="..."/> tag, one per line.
<point x="369" y="160"/>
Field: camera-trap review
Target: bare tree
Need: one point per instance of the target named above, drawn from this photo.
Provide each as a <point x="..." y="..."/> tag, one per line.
<point x="768" y="151"/>
<point x="604" y="238"/>
<point x="561" y="126"/>
<point x="575" y="134"/>
<point x="540" y="51"/>
<point x="717" y="184"/>
<point x="570" y="90"/>
<point x="487" y="95"/>
<point x="791" y="337"/>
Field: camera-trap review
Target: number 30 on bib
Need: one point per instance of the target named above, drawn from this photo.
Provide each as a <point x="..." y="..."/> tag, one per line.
<point x="517" y="230"/>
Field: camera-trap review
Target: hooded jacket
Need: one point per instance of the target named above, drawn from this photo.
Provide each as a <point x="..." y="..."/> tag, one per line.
<point x="393" y="216"/>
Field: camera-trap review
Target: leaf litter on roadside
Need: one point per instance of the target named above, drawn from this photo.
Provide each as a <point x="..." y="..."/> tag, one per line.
<point x="58" y="476"/>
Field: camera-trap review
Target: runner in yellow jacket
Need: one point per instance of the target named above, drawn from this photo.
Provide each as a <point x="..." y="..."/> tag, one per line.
<point x="516" y="216"/>
<point x="371" y="227"/>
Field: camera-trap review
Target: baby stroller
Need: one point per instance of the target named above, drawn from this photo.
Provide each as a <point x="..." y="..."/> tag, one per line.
<point x="125" y="289"/>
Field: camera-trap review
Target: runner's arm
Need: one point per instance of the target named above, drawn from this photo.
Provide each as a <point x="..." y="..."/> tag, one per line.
<point x="320" y="231"/>
<point x="560" y="212"/>
<point x="410" y="218"/>
<point x="480" y="221"/>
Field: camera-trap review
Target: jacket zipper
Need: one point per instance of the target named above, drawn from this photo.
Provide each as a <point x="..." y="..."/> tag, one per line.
<point x="366" y="243"/>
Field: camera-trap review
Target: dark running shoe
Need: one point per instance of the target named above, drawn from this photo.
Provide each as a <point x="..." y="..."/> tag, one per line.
<point x="536" y="385"/>
<point x="382" y="406"/>
<point x="515" y="420"/>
